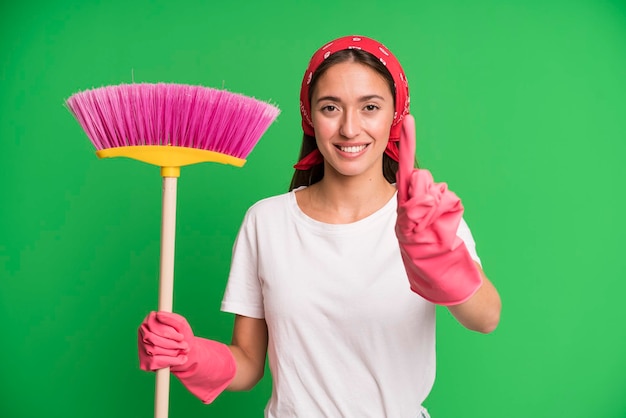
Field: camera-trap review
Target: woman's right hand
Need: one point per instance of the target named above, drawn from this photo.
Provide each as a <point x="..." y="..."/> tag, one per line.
<point x="205" y="367"/>
<point x="161" y="345"/>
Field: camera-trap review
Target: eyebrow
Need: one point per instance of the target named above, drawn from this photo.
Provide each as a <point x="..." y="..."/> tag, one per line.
<point x="361" y="99"/>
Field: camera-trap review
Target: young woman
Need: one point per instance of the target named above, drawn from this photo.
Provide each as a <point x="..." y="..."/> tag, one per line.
<point x="336" y="281"/>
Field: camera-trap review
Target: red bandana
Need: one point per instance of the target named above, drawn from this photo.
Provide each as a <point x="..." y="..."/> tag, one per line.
<point x="400" y="83"/>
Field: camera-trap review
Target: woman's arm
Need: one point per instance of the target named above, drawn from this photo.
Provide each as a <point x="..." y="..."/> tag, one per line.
<point x="481" y="312"/>
<point x="249" y="347"/>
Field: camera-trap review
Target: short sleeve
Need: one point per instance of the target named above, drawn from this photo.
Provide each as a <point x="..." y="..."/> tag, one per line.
<point x="465" y="234"/>
<point x="243" y="295"/>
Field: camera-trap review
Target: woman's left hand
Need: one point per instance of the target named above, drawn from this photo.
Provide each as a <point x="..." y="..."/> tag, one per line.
<point x="439" y="267"/>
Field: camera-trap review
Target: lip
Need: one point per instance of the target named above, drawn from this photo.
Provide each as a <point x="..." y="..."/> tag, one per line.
<point x="351" y="150"/>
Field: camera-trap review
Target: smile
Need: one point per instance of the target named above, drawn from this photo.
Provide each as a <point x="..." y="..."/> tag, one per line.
<point x="352" y="149"/>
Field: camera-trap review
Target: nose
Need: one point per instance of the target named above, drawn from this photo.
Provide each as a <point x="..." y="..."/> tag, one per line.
<point x="350" y="124"/>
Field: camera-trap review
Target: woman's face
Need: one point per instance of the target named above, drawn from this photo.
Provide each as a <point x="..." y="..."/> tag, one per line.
<point x="352" y="111"/>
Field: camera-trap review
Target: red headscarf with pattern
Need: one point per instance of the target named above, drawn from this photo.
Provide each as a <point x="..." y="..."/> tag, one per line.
<point x="385" y="56"/>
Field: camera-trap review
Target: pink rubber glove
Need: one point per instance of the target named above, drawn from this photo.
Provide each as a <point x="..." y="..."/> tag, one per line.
<point x="439" y="267"/>
<point x="204" y="366"/>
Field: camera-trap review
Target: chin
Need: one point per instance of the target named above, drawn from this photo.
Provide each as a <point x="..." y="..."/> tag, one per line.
<point x="353" y="170"/>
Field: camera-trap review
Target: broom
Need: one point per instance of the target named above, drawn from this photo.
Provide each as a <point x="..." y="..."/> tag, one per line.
<point x="170" y="126"/>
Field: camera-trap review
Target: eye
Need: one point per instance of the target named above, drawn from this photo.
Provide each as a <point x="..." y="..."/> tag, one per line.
<point x="371" y="107"/>
<point x="329" y="108"/>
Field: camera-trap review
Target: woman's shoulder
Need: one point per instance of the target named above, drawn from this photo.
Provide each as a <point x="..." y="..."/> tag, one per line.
<point x="271" y="204"/>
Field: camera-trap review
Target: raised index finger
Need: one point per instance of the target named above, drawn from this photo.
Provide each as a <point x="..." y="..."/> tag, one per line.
<point x="406" y="163"/>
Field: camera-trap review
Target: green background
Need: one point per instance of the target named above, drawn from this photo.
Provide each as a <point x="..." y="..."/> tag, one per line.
<point x="520" y="108"/>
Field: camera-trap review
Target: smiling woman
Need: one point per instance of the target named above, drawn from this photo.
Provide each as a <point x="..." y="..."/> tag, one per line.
<point x="336" y="282"/>
<point x="309" y="168"/>
<point x="519" y="107"/>
<point x="352" y="113"/>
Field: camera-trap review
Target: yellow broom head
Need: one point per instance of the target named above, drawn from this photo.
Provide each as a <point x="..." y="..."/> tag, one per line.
<point x="171" y="125"/>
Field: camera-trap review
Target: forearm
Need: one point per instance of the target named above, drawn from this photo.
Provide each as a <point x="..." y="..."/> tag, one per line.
<point x="249" y="348"/>
<point x="481" y="312"/>
<point x="249" y="371"/>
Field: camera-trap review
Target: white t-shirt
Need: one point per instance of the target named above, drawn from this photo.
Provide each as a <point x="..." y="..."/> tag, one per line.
<point x="347" y="337"/>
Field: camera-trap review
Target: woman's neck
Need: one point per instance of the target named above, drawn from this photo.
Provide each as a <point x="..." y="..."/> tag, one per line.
<point x="341" y="200"/>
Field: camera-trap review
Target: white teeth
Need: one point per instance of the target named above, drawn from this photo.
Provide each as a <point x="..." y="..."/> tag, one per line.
<point x="353" y="149"/>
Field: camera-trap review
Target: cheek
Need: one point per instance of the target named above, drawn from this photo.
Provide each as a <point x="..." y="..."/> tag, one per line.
<point x="324" y="127"/>
<point x="380" y="128"/>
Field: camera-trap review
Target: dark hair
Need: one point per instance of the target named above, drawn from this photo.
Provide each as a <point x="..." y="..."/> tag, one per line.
<point x="315" y="173"/>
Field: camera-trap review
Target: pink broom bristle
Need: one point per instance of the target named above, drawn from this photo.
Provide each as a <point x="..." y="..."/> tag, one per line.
<point x="172" y="114"/>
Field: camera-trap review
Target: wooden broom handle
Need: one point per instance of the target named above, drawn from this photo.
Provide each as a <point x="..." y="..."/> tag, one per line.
<point x="166" y="285"/>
